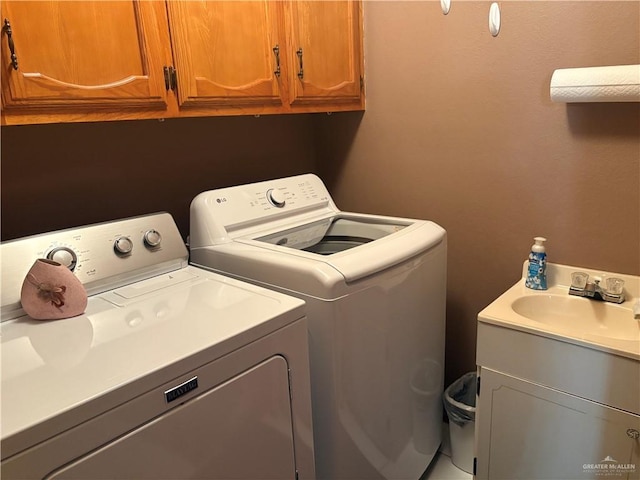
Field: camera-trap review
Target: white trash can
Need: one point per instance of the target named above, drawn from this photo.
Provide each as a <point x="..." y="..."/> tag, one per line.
<point x="460" y="404"/>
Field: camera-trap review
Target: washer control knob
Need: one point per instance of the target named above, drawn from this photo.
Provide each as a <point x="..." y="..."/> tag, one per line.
<point x="123" y="245"/>
<point x="276" y="198"/>
<point x="152" y="238"/>
<point x="64" y="256"/>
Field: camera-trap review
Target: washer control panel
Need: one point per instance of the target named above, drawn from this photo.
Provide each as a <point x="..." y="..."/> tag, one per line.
<point x="262" y="202"/>
<point x="101" y="254"/>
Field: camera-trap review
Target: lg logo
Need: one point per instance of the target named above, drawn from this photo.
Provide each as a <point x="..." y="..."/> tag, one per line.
<point x="221" y="200"/>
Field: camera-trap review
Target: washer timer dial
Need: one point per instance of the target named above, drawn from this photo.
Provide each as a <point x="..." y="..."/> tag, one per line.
<point x="276" y="198"/>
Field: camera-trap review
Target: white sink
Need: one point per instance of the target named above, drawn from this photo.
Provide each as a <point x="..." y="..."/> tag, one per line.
<point x="573" y="314"/>
<point x="554" y="313"/>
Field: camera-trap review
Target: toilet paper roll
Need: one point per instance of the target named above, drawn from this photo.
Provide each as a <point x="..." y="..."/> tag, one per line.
<point x="618" y="83"/>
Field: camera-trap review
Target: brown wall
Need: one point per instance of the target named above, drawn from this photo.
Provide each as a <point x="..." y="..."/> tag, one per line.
<point x="59" y="176"/>
<point x="459" y="129"/>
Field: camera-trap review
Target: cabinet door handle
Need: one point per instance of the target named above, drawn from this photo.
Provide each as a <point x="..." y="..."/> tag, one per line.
<point x="301" y="71"/>
<point x="170" y="78"/>
<point x="276" y="52"/>
<point x="12" y="47"/>
<point x="167" y="78"/>
<point x="174" y="78"/>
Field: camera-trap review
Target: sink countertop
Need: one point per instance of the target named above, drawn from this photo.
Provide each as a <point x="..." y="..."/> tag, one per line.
<point x="501" y="311"/>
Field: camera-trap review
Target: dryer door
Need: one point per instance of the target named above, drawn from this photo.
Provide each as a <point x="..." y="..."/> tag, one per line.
<point x="241" y="429"/>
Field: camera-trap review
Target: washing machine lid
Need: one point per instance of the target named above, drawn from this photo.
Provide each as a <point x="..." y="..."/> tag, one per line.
<point x="355" y="245"/>
<point x="57" y="374"/>
<point x="289" y="233"/>
<point x="332" y="235"/>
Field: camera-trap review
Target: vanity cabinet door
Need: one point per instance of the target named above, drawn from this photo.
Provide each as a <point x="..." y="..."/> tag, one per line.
<point x="528" y="431"/>
<point x="326" y="53"/>
<point x="227" y="53"/>
<point x="84" y="57"/>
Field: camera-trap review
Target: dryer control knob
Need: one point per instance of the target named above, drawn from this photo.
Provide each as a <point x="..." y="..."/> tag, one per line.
<point x="64" y="256"/>
<point x="123" y="245"/>
<point x="152" y="238"/>
<point x="276" y="198"/>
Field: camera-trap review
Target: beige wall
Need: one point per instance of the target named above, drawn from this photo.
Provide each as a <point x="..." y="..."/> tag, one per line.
<point x="459" y="129"/>
<point x="59" y="176"/>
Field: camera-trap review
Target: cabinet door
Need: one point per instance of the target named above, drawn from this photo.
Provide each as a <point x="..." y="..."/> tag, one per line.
<point x="84" y="56"/>
<point x="325" y="52"/>
<point x="533" y="432"/>
<point x="227" y="53"/>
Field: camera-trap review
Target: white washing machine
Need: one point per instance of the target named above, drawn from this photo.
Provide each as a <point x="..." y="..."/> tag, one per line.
<point x="171" y="373"/>
<point x="375" y="290"/>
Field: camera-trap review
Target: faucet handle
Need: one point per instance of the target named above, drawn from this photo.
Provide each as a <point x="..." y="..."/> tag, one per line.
<point x="579" y="280"/>
<point x="614" y="285"/>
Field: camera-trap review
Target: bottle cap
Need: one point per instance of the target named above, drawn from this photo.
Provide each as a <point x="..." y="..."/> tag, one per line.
<point x="538" y="246"/>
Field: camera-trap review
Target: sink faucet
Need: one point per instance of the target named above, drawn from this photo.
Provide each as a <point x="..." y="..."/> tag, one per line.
<point x="582" y="287"/>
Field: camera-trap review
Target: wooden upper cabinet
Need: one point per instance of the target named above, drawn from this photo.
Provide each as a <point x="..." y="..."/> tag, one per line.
<point x="326" y="52"/>
<point x="84" y="55"/>
<point x="227" y="53"/>
<point x="74" y="61"/>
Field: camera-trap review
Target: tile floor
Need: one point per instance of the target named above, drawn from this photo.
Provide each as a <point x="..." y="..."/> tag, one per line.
<point x="441" y="467"/>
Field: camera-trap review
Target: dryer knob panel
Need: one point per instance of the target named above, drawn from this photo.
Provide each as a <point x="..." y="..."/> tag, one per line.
<point x="276" y="198"/>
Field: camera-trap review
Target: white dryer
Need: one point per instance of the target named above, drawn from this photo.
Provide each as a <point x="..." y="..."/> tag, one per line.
<point x="172" y="372"/>
<point x="375" y="290"/>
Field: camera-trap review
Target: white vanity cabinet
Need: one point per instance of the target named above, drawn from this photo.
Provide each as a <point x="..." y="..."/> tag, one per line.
<point x="548" y="409"/>
<point x="534" y="432"/>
